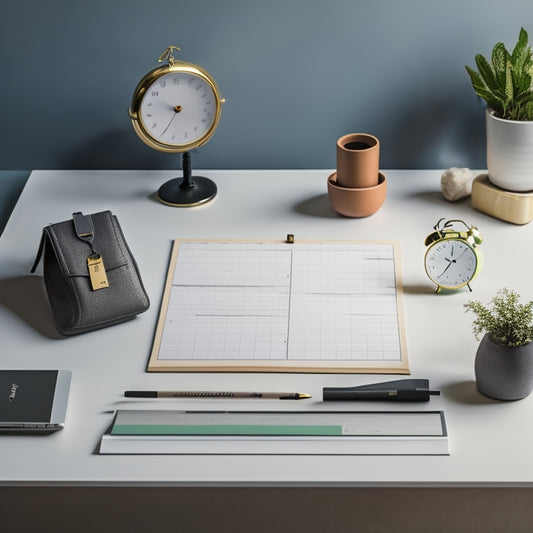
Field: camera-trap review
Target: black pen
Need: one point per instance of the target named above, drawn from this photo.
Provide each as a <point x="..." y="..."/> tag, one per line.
<point x="403" y="390"/>
<point x="225" y="395"/>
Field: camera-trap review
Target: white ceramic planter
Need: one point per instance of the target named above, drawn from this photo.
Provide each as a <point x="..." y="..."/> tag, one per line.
<point x="510" y="153"/>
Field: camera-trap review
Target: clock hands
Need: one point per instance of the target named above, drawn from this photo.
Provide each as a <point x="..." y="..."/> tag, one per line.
<point x="176" y="109"/>
<point x="464" y="251"/>
<point x="444" y="271"/>
<point x="451" y="262"/>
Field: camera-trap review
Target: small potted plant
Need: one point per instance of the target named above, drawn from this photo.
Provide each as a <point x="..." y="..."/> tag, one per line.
<point x="504" y="358"/>
<point x="505" y="83"/>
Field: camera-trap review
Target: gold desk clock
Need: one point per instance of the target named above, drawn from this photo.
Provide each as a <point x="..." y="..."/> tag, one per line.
<point x="453" y="258"/>
<point x="176" y="108"/>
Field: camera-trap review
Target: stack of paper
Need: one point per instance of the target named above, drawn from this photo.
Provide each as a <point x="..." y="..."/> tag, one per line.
<point x="285" y="432"/>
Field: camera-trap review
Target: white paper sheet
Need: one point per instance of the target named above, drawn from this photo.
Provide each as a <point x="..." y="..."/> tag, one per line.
<point x="283" y="302"/>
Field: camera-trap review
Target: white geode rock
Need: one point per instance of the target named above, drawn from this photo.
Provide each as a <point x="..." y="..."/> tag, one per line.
<point x="456" y="183"/>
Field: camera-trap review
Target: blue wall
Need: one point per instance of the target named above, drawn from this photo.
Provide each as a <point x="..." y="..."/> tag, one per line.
<point x="297" y="74"/>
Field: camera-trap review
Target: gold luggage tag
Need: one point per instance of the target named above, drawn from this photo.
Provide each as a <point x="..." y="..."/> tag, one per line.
<point x="84" y="228"/>
<point x="95" y="264"/>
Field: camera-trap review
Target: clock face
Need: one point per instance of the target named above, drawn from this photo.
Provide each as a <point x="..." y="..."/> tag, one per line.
<point x="179" y="109"/>
<point x="451" y="263"/>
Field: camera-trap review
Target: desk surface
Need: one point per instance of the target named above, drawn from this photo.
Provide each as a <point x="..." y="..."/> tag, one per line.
<point x="490" y="441"/>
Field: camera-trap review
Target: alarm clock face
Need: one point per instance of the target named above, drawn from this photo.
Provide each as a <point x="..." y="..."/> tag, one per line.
<point x="179" y="109"/>
<point x="451" y="263"/>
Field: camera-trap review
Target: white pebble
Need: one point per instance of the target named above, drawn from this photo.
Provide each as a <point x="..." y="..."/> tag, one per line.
<point x="456" y="183"/>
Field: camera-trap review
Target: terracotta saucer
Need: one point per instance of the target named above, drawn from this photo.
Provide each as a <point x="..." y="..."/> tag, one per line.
<point x="359" y="202"/>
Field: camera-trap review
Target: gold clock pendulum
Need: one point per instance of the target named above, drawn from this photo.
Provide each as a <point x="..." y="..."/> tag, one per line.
<point x="176" y="108"/>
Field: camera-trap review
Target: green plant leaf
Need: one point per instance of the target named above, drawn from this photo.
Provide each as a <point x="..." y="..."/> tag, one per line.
<point x="521" y="82"/>
<point x="506" y="82"/>
<point x="528" y="111"/>
<point x="499" y="63"/>
<point x="488" y="76"/>
<point x="521" y="51"/>
<point x="474" y="77"/>
<point x="509" y="89"/>
<point x="484" y="93"/>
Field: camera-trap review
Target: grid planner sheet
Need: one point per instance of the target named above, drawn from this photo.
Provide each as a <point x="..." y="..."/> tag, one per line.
<point x="279" y="302"/>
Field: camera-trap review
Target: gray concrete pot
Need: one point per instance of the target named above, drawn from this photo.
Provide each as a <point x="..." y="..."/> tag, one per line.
<point x="504" y="372"/>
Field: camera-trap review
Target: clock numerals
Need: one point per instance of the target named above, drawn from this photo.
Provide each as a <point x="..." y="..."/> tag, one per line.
<point x="451" y="263"/>
<point x="178" y="109"/>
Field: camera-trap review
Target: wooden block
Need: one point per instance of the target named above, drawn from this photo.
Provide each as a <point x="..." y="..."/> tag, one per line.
<point x="515" y="207"/>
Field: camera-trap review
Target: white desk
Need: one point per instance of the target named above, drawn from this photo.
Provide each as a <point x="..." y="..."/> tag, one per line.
<point x="490" y="442"/>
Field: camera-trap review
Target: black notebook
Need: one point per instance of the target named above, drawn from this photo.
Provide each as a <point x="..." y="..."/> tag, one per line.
<point x="33" y="400"/>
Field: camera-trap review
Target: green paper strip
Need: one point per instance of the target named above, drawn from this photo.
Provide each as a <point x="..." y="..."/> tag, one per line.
<point x="219" y="429"/>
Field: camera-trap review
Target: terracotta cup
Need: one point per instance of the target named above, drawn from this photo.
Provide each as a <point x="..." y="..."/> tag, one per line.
<point x="357" y="161"/>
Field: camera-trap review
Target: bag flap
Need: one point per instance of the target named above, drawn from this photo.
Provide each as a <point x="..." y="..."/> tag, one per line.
<point x="72" y="252"/>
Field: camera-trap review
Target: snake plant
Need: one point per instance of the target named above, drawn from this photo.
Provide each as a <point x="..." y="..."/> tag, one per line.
<point x="505" y="82"/>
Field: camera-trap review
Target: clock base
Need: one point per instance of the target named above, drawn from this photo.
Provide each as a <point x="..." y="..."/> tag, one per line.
<point x="181" y="192"/>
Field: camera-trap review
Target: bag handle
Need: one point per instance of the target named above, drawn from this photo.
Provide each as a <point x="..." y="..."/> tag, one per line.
<point x="84" y="228"/>
<point x="39" y="253"/>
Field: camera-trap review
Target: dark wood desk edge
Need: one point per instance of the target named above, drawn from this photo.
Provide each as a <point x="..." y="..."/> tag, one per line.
<point x="267" y="509"/>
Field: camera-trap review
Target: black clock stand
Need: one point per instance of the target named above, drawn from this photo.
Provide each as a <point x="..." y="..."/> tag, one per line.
<point x="189" y="190"/>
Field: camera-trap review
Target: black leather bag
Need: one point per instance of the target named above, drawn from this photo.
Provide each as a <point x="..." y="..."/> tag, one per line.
<point x="91" y="277"/>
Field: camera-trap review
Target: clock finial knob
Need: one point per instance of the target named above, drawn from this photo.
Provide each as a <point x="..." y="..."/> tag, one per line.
<point x="168" y="55"/>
